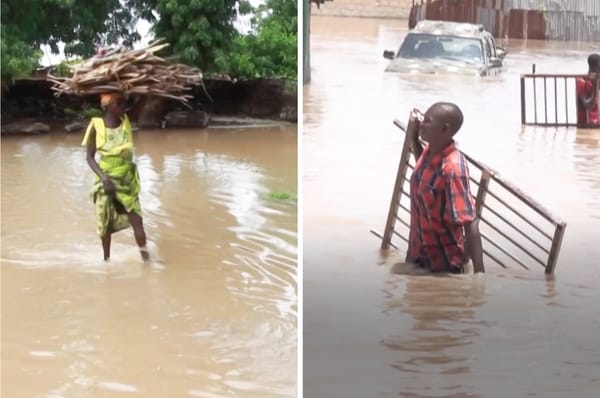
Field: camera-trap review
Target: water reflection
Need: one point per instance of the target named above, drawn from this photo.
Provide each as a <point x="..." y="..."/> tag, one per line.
<point x="445" y="322"/>
<point x="586" y="159"/>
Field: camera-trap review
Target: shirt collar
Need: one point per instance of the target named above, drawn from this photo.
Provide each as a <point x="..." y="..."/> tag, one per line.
<point x="437" y="158"/>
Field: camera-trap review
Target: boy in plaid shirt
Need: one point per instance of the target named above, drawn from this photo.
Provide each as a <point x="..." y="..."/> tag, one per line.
<point x="444" y="229"/>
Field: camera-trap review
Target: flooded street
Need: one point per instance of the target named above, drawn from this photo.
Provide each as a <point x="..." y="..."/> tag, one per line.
<point x="508" y="333"/>
<point x="215" y="317"/>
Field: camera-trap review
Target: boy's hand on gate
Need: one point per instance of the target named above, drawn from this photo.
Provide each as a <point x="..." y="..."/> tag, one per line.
<point x="414" y="123"/>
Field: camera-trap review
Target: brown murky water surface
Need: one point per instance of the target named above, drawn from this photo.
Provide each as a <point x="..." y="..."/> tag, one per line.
<point x="216" y="317"/>
<point x="508" y="333"/>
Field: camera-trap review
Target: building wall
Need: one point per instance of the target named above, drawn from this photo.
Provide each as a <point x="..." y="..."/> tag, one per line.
<point x="568" y="20"/>
<point x="364" y="8"/>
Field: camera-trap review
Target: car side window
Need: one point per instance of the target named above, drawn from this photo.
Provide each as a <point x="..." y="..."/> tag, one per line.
<point x="492" y="45"/>
<point x="409" y="46"/>
<point x="487" y="49"/>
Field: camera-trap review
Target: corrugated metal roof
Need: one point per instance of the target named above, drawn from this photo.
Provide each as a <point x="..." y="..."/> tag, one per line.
<point x="572" y="26"/>
<point x="588" y="7"/>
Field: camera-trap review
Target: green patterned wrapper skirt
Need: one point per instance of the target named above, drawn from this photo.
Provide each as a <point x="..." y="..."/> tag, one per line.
<point x="124" y="174"/>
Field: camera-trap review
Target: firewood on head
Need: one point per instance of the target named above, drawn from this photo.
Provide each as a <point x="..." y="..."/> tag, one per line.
<point x="130" y="72"/>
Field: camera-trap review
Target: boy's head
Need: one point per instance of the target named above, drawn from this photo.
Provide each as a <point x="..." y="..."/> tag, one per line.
<point x="594" y="63"/>
<point x="441" y="122"/>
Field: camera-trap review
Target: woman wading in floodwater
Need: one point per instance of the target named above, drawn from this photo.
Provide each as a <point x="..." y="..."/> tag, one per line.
<point x="117" y="188"/>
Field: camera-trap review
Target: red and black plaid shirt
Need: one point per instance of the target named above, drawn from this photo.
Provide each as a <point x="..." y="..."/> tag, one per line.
<point x="441" y="203"/>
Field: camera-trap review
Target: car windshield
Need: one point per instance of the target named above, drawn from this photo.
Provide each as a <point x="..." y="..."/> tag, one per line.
<point x="421" y="45"/>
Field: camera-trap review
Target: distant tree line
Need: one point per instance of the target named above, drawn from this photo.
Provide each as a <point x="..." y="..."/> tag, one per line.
<point x="201" y="32"/>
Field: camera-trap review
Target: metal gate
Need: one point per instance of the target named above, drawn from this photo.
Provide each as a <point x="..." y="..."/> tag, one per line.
<point x="549" y="100"/>
<point x="515" y="229"/>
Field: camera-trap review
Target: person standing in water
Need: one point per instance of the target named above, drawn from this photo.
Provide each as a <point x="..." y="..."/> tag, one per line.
<point x="117" y="187"/>
<point x="588" y="96"/>
<point x="444" y="228"/>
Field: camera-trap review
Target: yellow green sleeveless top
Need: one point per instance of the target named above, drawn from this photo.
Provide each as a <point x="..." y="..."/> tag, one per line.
<point x="110" y="141"/>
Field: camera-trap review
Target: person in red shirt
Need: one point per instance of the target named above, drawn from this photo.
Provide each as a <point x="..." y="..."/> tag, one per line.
<point x="588" y="98"/>
<point x="444" y="227"/>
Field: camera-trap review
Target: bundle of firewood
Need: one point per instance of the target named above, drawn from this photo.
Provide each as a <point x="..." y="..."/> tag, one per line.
<point x="129" y="72"/>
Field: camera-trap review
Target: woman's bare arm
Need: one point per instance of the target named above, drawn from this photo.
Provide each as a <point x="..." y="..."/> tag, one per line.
<point x="107" y="183"/>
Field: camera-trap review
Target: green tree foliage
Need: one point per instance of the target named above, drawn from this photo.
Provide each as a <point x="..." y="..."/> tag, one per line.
<point x="17" y="57"/>
<point x="201" y="32"/>
<point x="82" y="24"/>
<point x="271" y="49"/>
<point x="198" y="29"/>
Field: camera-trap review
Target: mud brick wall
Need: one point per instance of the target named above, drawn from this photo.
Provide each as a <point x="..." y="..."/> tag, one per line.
<point x="364" y="8"/>
<point x="260" y="98"/>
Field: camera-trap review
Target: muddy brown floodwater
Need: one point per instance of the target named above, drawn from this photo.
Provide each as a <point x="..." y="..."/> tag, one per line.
<point x="508" y="333"/>
<point x="216" y="317"/>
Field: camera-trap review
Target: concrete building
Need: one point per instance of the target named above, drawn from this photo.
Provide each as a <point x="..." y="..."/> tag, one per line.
<point x="364" y="8"/>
